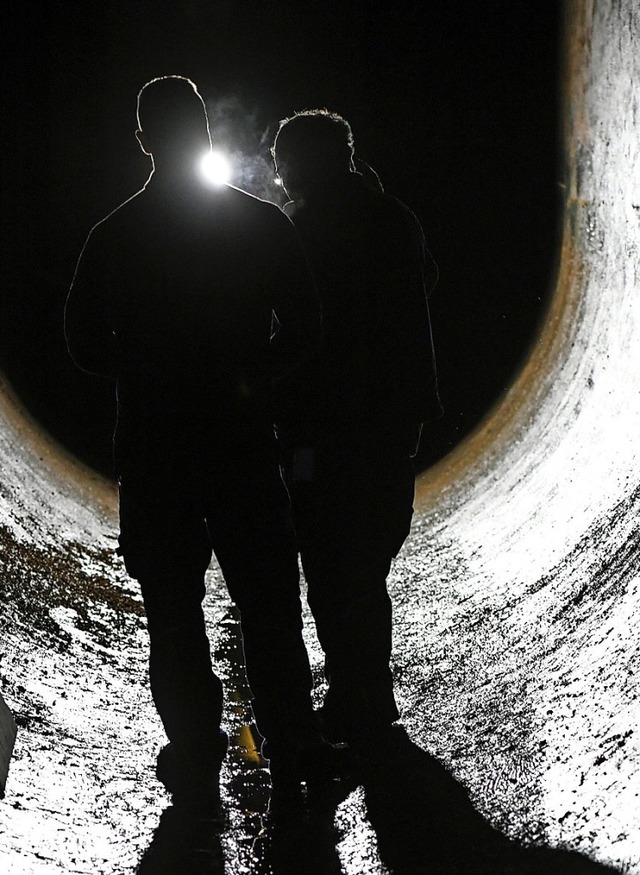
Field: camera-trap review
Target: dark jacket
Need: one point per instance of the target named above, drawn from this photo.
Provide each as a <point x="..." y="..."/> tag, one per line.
<point x="376" y="367"/>
<point x="174" y="295"/>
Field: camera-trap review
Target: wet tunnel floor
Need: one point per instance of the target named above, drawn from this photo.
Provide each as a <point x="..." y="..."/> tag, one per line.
<point x="462" y="790"/>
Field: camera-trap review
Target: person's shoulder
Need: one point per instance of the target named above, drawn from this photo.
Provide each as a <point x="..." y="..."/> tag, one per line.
<point x="263" y="216"/>
<point x="118" y="217"/>
<point x="386" y="210"/>
<point x="399" y="208"/>
<point x="375" y="198"/>
<point x="244" y="200"/>
<point x="402" y="216"/>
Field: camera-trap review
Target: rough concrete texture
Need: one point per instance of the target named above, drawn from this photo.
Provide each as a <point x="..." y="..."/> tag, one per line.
<point x="516" y="649"/>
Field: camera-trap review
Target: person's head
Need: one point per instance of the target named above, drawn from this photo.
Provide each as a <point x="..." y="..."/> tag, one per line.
<point x="311" y="149"/>
<point x="172" y="122"/>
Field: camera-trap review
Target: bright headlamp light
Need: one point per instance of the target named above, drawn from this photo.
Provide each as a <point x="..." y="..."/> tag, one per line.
<point x="215" y="167"/>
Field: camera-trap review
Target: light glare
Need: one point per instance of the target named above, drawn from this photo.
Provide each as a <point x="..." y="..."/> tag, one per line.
<point x="215" y="168"/>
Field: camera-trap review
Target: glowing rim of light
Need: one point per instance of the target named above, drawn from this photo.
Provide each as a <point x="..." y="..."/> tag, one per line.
<point x="215" y="167"/>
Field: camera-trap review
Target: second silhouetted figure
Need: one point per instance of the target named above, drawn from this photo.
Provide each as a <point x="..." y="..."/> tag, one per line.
<point x="350" y="422"/>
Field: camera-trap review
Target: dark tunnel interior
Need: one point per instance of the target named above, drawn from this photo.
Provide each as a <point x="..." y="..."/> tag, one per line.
<point x="455" y="105"/>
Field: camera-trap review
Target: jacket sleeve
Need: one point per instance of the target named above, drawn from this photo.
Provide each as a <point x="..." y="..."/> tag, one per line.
<point x="88" y="322"/>
<point x="298" y="318"/>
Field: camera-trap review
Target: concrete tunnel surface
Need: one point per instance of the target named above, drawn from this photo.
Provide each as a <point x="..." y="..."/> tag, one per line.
<point x="516" y="597"/>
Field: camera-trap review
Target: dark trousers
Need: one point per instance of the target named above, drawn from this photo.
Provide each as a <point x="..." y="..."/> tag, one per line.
<point x="178" y="503"/>
<point x="352" y="506"/>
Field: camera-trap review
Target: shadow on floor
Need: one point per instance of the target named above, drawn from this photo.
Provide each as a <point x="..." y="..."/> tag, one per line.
<point x="422" y="817"/>
<point x="425" y="823"/>
<point x="183" y="845"/>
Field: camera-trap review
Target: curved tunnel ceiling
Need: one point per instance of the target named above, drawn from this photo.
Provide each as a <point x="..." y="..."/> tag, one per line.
<point x="524" y="561"/>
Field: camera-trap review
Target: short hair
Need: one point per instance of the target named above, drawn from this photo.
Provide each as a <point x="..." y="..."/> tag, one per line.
<point x="168" y="105"/>
<point x="314" y="134"/>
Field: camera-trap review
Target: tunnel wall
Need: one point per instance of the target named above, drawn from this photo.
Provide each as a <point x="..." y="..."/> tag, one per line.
<point x="527" y="541"/>
<point x="576" y="401"/>
<point x="562" y="444"/>
<point x="45" y="494"/>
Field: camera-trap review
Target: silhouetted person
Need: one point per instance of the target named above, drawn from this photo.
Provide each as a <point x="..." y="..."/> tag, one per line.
<point x="173" y="296"/>
<point x="350" y="422"/>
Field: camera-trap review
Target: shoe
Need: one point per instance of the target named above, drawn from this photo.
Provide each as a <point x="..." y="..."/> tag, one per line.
<point x="316" y="765"/>
<point x="184" y="842"/>
<point x="191" y="784"/>
<point x="334" y="728"/>
<point x="311" y="763"/>
<point x="362" y="734"/>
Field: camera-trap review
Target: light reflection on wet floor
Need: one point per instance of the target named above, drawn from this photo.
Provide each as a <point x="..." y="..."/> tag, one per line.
<point x="82" y="796"/>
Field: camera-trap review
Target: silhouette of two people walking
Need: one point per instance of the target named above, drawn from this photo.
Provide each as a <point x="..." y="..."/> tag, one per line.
<point x="253" y="349"/>
<point x="176" y="294"/>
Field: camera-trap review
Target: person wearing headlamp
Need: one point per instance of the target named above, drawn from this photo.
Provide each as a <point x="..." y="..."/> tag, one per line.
<point x="175" y="295"/>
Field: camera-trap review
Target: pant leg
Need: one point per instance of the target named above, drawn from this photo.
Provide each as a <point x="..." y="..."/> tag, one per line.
<point x="166" y="547"/>
<point x="252" y="536"/>
<point x="351" y="520"/>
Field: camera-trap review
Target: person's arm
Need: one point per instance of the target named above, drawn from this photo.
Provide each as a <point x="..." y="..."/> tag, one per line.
<point x="88" y="322"/>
